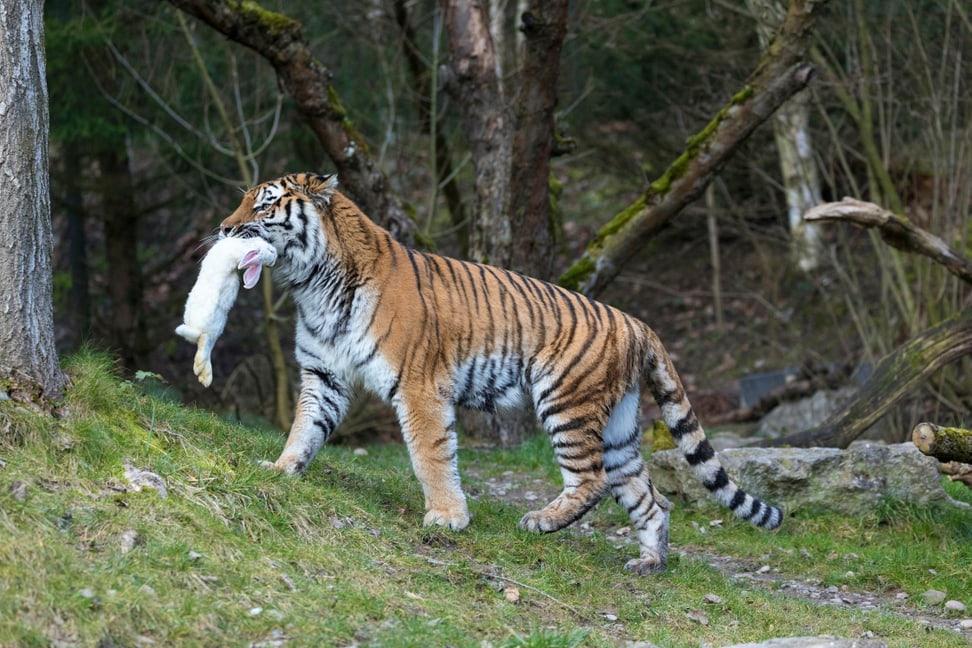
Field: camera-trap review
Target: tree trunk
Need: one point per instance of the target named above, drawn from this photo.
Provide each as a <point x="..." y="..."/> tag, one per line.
<point x="29" y="369"/>
<point x="791" y="132"/>
<point x="780" y="74"/>
<point x="544" y="26"/>
<point x="486" y="124"/>
<point x="943" y="443"/>
<point x="894" y="376"/>
<point x="279" y="40"/>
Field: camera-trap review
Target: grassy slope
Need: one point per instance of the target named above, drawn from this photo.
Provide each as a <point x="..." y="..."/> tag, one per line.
<point x="338" y="557"/>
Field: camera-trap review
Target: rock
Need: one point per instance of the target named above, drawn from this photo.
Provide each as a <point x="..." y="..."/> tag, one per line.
<point x="955" y="606"/>
<point x="129" y="540"/>
<point x="802" y="414"/>
<point x="140" y="478"/>
<point x="933" y="597"/>
<point x="814" y="642"/>
<point x="965" y="624"/>
<point x="851" y="481"/>
<point x="18" y="491"/>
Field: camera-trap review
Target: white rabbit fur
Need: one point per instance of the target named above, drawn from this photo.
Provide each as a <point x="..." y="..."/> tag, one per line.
<point x="215" y="291"/>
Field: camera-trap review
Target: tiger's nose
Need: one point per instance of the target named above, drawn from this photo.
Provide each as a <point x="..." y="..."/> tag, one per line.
<point x="226" y="229"/>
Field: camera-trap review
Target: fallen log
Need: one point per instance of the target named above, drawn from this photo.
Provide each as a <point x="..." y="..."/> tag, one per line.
<point x="943" y="443"/>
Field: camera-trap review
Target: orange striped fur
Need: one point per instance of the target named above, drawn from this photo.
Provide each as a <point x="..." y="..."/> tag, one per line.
<point x="429" y="333"/>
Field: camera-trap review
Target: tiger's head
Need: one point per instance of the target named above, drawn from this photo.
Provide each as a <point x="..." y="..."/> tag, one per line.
<point x="285" y="212"/>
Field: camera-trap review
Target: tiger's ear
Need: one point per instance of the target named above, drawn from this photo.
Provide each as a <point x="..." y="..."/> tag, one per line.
<point x="320" y="187"/>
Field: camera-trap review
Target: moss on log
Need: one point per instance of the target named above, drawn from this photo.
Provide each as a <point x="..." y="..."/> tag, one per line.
<point x="943" y="443"/>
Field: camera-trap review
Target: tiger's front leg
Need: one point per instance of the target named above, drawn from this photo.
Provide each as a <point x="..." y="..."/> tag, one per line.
<point x="321" y="406"/>
<point x="429" y="428"/>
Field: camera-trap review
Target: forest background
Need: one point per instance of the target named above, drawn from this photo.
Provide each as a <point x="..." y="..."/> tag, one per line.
<point x="158" y="121"/>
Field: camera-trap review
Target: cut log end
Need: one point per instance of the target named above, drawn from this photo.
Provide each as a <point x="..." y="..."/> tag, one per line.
<point x="943" y="443"/>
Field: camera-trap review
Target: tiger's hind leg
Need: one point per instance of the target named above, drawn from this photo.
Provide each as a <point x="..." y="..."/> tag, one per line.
<point x="627" y="477"/>
<point x="575" y="433"/>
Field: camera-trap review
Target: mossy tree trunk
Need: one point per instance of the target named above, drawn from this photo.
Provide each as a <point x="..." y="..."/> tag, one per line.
<point x="29" y="370"/>
<point x="780" y="74"/>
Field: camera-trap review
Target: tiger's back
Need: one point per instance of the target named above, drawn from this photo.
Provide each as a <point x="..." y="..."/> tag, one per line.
<point x="429" y="333"/>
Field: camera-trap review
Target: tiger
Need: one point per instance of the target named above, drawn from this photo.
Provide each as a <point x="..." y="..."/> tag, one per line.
<point x="428" y="333"/>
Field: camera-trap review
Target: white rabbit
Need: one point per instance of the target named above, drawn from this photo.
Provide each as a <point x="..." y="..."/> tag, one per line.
<point x="211" y="299"/>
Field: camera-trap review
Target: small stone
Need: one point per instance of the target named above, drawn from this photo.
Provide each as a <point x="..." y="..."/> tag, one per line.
<point x="609" y="616"/>
<point x="623" y="531"/>
<point x="698" y="616"/>
<point x="765" y="569"/>
<point x="3" y="462"/>
<point x="933" y="597"/>
<point x="256" y="611"/>
<point x="512" y="594"/>
<point x="129" y="540"/>
<point x="195" y="555"/>
<point x="360" y="452"/>
<point x="147" y="590"/>
<point x="87" y="593"/>
<point x="965" y="624"/>
<point x="955" y="606"/>
<point x="18" y="491"/>
<point x="901" y="596"/>
<point x="712" y="599"/>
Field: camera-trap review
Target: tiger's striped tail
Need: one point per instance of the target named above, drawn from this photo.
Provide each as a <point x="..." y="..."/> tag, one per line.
<point x="678" y="415"/>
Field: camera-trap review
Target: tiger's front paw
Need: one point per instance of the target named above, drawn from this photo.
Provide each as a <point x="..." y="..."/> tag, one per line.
<point x="456" y="519"/>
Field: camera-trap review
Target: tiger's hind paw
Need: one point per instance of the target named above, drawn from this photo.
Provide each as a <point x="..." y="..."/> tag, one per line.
<point x="537" y="522"/>
<point x="647" y="564"/>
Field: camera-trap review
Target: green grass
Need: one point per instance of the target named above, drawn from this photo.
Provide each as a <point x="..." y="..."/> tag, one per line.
<point x="235" y="555"/>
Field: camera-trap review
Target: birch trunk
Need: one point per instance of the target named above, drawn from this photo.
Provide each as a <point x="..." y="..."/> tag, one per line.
<point x="791" y="132"/>
<point x="29" y="370"/>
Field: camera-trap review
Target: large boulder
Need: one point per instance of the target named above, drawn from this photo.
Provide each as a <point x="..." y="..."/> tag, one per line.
<point x="850" y="481"/>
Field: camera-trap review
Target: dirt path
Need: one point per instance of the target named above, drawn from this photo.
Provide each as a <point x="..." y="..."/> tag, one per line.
<point x="528" y="492"/>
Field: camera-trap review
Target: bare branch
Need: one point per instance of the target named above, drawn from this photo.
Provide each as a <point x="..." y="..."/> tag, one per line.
<point x="896" y="231"/>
